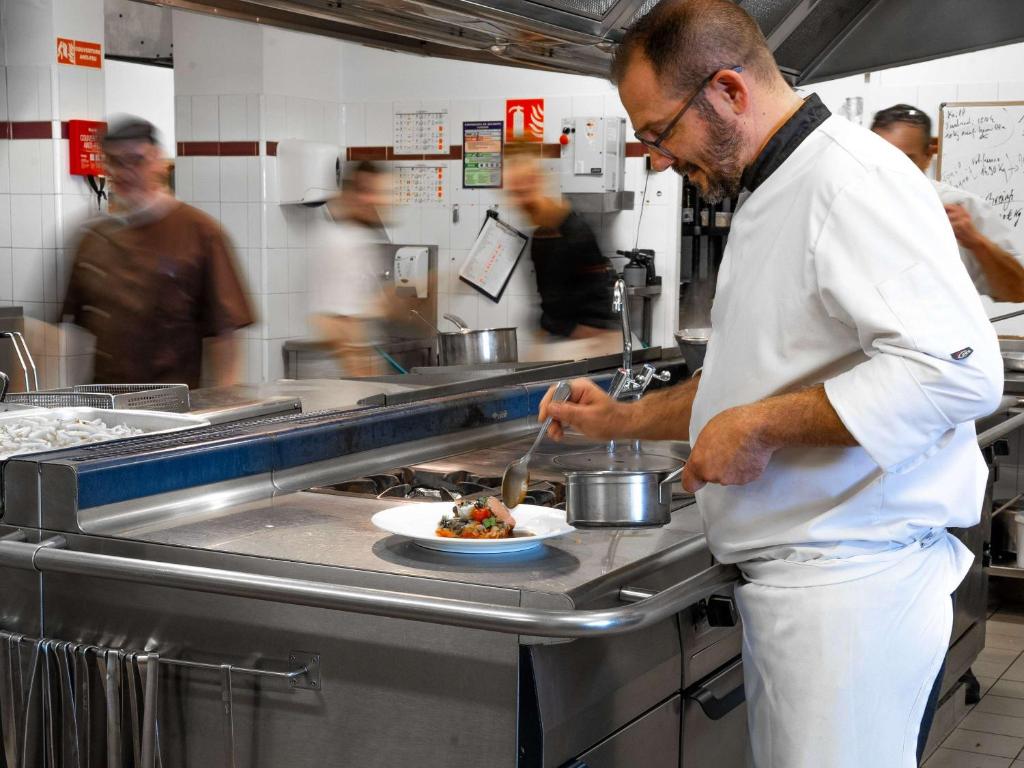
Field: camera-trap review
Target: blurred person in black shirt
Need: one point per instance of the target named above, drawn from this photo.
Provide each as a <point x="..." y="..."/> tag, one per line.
<point x="574" y="279"/>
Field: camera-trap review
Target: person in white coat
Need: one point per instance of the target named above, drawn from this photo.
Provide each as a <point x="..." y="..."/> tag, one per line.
<point x="987" y="246"/>
<point x="832" y="427"/>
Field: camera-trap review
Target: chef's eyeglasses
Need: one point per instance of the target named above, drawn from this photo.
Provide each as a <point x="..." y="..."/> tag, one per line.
<point x="655" y="144"/>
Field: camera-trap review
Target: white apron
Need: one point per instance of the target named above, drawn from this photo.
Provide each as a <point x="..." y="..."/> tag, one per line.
<point x="840" y="655"/>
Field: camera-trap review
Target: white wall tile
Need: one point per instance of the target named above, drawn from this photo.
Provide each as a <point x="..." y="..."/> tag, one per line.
<point x="254" y="373"/>
<point x="252" y="117"/>
<point x="26" y="167"/>
<point x="255" y="220"/>
<point x="74" y="93"/>
<point x="314" y="120"/>
<point x="273" y="363"/>
<point x="3" y="87"/>
<point x="295" y="119"/>
<point x="50" y="293"/>
<point x="183" y="169"/>
<point x="297" y="265"/>
<point x="6" y="275"/>
<point x="26" y="221"/>
<point x="1011" y="91"/>
<point x="44" y="82"/>
<point x="28" y="275"/>
<point x="276" y="271"/>
<point x="491" y="315"/>
<point x="986" y="91"/>
<point x="277" y="227"/>
<point x="47" y="179"/>
<point x="379" y="124"/>
<point x="275" y="111"/>
<point x="23" y="93"/>
<point x="466" y="307"/>
<point x="332" y="123"/>
<point x="206" y="179"/>
<point x="436" y="226"/>
<point x="276" y="311"/>
<point x="253" y="179"/>
<point x="183" y="118"/>
<point x="269" y="190"/>
<point x="95" y="87"/>
<point x="205" y="118"/>
<point x="465" y="230"/>
<point x="5" y="167"/>
<point x="235" y="219"/>
<point x="5" y="221"/>
<point x="298" y="314"/>
<point x="234" y="179"/>
<point x="233" y="118"/>
<point x="354" y="124"/>
<point x="210" y="209"/>
<point x="295" y="219"/>
<point x="48" y="220"/>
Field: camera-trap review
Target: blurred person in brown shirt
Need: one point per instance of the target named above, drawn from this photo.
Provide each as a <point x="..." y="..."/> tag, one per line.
<point x="156" y="280"/>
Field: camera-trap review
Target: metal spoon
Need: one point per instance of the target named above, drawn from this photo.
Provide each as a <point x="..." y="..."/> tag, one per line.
<point x="517" y="474"/>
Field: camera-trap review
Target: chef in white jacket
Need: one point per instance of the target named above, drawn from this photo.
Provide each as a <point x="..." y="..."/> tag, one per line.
<point x="832" y="428"/>
<point x="987" y="248"/>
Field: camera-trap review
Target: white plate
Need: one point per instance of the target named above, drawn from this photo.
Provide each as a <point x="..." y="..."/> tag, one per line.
<point x="419" y="523"/>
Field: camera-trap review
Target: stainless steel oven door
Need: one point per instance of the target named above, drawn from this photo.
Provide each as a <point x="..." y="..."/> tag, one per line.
<point x="715" y="721"/>
<point x="649" y="741"/>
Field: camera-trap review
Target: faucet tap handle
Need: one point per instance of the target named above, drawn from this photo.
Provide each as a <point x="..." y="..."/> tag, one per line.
<point x="647" y="374"/>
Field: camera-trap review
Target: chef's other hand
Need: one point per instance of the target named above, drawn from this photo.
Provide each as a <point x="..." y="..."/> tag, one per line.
<point x="589" y="409"/>
<point x="963" y="226"/>
<point x="729" y="451"/>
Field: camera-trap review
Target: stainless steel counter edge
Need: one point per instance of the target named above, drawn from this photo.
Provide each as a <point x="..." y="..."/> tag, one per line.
<point x="539" y="622"/>
<point x="1001" y="429"/>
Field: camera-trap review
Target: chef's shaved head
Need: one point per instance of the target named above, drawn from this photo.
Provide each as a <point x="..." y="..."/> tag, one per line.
<point x="687" y="40"/>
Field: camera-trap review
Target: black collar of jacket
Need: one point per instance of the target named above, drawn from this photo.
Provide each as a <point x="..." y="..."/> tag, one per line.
<point x="785" y="141"/>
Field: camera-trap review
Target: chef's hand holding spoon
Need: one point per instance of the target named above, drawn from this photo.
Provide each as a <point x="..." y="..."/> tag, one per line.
<point x="588" y="409"/>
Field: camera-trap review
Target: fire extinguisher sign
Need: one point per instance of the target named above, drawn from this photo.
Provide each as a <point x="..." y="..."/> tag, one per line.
<point x="524" y="120"/>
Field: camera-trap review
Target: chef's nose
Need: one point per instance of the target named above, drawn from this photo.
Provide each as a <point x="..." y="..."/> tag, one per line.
<point x="659" y="162"/>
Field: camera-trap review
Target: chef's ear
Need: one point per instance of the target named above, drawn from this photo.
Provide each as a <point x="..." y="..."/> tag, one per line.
<point x="933" y="147"/>
<point x="729" y="86"/>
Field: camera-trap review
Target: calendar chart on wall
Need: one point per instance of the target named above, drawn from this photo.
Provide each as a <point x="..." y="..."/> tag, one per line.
<point x="421" y="132"/>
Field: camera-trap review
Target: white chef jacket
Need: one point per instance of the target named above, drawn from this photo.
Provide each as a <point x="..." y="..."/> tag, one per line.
<point x="841" y="268"/>
<point x="342" y="270"/>
<point x="988" y="222"/>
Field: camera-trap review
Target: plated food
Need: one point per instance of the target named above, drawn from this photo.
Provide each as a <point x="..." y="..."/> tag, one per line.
<point x="483" y="518"/>
<point x="418" y="521"/>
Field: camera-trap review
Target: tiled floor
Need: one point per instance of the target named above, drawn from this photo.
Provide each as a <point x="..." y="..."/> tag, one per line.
<point x="992" y="733"/>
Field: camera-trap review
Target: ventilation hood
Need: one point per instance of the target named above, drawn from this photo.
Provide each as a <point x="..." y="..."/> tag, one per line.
<point x="813" y="40"/>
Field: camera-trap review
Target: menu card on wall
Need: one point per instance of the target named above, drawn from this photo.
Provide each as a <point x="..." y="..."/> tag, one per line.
<point x="421" y="133"/>
<point x="418" y="184"/>
<point x="493" y="257"/>
<point x="481" y="154"/>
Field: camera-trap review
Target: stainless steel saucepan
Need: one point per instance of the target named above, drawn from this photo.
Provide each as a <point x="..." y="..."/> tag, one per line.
<point x="469" y="347"/>
<point x="619" y="498"/>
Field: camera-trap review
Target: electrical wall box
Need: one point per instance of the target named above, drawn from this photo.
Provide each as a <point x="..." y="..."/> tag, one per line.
<point x="593" y="154"/>
<point x="308" y="172"/>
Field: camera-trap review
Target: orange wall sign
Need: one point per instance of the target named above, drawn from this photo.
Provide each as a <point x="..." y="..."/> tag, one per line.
<point x="524" y="120"/>
<point x="79" y="54"/>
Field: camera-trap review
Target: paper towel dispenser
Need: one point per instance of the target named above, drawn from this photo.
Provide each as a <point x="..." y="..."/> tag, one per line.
<point x="308" y="172"/>
<point x="412" y="271"/>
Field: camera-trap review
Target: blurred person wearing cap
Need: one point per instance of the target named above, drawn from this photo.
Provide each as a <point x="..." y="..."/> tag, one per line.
<point x="347" y="298"/>
<point x="993" y="259"/>
<point x="574" y="279"/>
<point x="155" y="281"/>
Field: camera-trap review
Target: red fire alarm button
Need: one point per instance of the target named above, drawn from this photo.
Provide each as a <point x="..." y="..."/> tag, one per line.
<point x="84" y="151"/>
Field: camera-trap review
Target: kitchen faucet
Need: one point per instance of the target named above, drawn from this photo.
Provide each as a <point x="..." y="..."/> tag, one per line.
<point x="627" y="384"/>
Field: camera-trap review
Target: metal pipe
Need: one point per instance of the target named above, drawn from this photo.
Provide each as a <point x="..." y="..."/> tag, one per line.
<point x="620" y="303"/>
<point x="377" y="602"/>
<point x="1001" y="429"/>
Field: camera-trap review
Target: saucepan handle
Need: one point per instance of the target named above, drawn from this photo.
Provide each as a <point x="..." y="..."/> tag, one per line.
<point x="669" y="479"/>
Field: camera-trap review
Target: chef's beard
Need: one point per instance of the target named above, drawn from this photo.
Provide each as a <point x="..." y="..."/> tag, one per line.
<point x="719" y="166"/>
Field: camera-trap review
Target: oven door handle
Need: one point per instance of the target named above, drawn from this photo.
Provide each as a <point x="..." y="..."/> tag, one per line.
<point x="50" y="556"/>
<point x="721" y="694"/>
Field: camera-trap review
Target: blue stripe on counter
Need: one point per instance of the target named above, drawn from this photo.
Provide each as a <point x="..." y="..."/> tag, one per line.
<point x="118" y="477"/>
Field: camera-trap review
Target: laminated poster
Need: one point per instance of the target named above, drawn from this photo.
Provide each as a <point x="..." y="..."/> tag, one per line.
<point x="493" y="257"/>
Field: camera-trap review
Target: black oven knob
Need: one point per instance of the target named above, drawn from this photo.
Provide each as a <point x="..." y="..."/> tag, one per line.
<point x="721" y="611"/>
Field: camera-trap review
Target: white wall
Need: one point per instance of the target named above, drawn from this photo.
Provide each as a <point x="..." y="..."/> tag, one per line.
<point x="994" y="74"/>
<point x="144" y="91"/>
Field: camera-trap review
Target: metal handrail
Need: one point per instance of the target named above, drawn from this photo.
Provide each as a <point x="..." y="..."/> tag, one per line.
<point x="1001" y="429"/>
<point x="47" y="557"/>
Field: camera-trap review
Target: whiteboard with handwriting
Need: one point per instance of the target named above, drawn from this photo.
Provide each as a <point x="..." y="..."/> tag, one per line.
<point x="981" y="149"/>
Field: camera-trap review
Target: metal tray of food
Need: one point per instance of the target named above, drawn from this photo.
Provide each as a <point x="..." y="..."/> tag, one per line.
<point x="172" y="398"/>
<point x="82" y="426"/>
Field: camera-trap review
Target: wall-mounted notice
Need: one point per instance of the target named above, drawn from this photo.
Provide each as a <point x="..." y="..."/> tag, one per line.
<point x="421" y="132"/>
<point x="981" y="149"/>
<point x="85" y="156"/>
<point x="493" y="257"/>
<point x="79" y="54"/>
<point x="418" y="184"/>
<point x="524" y="120"/>
<point x="481" y="154"/>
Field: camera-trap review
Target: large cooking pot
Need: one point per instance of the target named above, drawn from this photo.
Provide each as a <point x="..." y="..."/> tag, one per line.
<point x="469" y="347"/>
<point x="619" y="498"/>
